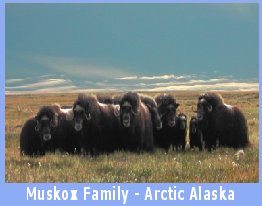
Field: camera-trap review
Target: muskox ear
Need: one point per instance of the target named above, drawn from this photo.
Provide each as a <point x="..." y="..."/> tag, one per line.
<point x="70" y="115"/>
<point x="209" y="108"/>
<point x="117" y="111"/>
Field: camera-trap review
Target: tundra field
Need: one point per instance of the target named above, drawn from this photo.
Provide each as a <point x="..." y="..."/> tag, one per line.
<point x="221" y="165"/>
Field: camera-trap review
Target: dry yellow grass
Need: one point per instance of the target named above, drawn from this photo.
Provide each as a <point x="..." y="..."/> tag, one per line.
<point x="221" y="165"/>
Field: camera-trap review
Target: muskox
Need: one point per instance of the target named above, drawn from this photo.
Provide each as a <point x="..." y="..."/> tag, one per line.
<point x="97" y="124"/>
<point x="195" y="135"/>
<point x="37" y="135"/>
<point x="136" y="123"/>
<point x="167" y="106"/>
<point x="221" y="122"/>
<point x="179" y="140"/>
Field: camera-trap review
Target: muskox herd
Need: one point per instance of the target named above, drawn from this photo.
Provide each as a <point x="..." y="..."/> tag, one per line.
<point x="132" y="122"/>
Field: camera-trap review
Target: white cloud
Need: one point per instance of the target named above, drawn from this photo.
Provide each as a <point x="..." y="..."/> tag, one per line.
<point x="11" y="81"/>
<point x="171" y="76"/>
<point x="128" y="78"/>
<point x="224" y="86"/>
<point x="160" y="77"/>
<point x="43" y="84"/>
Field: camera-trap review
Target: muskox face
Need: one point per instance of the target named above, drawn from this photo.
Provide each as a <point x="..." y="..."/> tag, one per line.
<point x="193" y="125"/>
<point x="126" y="114"/>
<point x="79" y="116"/>
<point x="203" y="109"/>
<point x="43" y="127"/>
<point x="182" y="119"/>
<point x="167" y="114"/>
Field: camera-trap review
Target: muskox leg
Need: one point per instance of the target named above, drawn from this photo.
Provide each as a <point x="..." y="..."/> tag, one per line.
<point x="191" y="145"/>
<point x="41" y="152"/>
<point x="200" y="146"/>
<point x="183" y="146"/>
<point x="208" y="146"/>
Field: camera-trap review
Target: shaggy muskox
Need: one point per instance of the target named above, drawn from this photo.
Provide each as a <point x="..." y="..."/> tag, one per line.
<point x="222" y="122"/>
<point x="179" y="139"/>
<point x="195" y="136"/>
<point x="136" y="123"/>
<point x="37" y="135"/>
<point x="97" y="124"/>
<point x="167" y="106"/>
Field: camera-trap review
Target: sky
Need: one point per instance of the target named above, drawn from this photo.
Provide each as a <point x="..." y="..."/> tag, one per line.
<point x="141" y="47"/>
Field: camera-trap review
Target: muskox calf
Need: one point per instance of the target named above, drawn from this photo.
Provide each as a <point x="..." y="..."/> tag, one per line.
<point x="179" y="139"/>
<point x="97" y="125"/>
<point x="136" y="123"/>
<point x="195" y="136"/>
<point x="222" y="122"/>
<point x="167" y="106"/>
<point x="37" y="135"/>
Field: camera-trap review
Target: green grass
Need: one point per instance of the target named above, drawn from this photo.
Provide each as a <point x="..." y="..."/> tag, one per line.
<point x="222" y="165"/>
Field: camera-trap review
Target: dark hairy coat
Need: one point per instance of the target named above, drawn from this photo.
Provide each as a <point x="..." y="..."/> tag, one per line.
<point x="136" y="123"/>
<point x="221" y="122"/>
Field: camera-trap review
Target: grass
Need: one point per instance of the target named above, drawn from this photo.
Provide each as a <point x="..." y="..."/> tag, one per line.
<point x="222" y="165"/>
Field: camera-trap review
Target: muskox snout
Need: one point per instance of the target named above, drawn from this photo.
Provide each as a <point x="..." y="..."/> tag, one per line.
<point x="78" y="127"/>
<point x="183" y="126"/>
<point x="47" y="137"/>
<point x="199" y="116"/>
<point x="193" y="130"/>
<point x="126" y="120"/>
<point x="172" y="122"/>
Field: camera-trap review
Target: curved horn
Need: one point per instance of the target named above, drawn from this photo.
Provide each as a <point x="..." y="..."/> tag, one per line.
<point x="88" y="117"/>
<point x="37" y="127"/>
<point x="209" y="108"/>
<point x="117" y="111"/>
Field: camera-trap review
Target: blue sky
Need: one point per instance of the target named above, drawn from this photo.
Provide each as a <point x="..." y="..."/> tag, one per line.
<point x="72" y="47"/>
